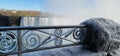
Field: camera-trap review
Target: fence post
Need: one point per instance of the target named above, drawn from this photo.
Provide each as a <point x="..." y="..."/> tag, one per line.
<point x="19" y="43"/>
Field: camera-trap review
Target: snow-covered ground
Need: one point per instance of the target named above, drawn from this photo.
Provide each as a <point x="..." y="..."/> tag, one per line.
<point x="65" y="51"/>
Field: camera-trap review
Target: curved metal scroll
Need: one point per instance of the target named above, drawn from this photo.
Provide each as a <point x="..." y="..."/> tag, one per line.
<point x="8" y="42"/>
<point x="58" y="33"/>
<point x="79" y="34"/>
<point x="31" y="39"/>
<point x="76" y="34"/>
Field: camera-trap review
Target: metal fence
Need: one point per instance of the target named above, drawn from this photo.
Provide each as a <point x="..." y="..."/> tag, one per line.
<point x="18" y="40"/>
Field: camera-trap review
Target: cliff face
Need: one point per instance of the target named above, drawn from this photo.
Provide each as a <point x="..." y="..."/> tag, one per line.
<point x="9" y="20"/>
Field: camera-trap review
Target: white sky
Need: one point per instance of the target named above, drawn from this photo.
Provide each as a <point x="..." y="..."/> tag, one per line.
<point x="85" y="9"/>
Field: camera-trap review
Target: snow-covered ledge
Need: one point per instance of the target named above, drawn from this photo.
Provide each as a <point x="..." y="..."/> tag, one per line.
<point x="102" y="35"/>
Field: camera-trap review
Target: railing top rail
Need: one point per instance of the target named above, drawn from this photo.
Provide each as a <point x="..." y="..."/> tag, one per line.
<point x="2" y="28"/>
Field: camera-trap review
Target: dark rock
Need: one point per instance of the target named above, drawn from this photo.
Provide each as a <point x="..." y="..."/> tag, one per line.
<point x="101" y="35"/>
<point x="14" y="20"/>
<point x="9" y="20"/>
<point x="4" y="20"/>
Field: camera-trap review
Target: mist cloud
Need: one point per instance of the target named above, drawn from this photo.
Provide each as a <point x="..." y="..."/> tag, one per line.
<point x="85" y="9"/>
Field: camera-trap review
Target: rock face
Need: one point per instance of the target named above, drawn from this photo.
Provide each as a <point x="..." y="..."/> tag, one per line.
<point x="101" y="35"/>
<point x="9" y="20"/>
<point x="3" y="20"/>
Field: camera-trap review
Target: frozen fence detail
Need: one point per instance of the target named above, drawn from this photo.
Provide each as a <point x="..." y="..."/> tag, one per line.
<point x="37" y="38"/>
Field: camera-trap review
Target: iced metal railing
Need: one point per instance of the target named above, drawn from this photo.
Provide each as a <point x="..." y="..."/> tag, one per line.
<point x="18" y="40"/>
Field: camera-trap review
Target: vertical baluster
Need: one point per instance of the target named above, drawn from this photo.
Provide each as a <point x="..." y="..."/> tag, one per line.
<point x="19" y="43"/>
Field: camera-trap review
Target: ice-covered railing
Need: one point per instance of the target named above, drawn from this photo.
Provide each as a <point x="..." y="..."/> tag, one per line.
<point x="98" y="35"/>
<point x="22" y="39"/>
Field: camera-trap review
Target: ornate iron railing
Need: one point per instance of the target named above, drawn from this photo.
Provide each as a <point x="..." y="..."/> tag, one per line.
<point x="18" y="40"/>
